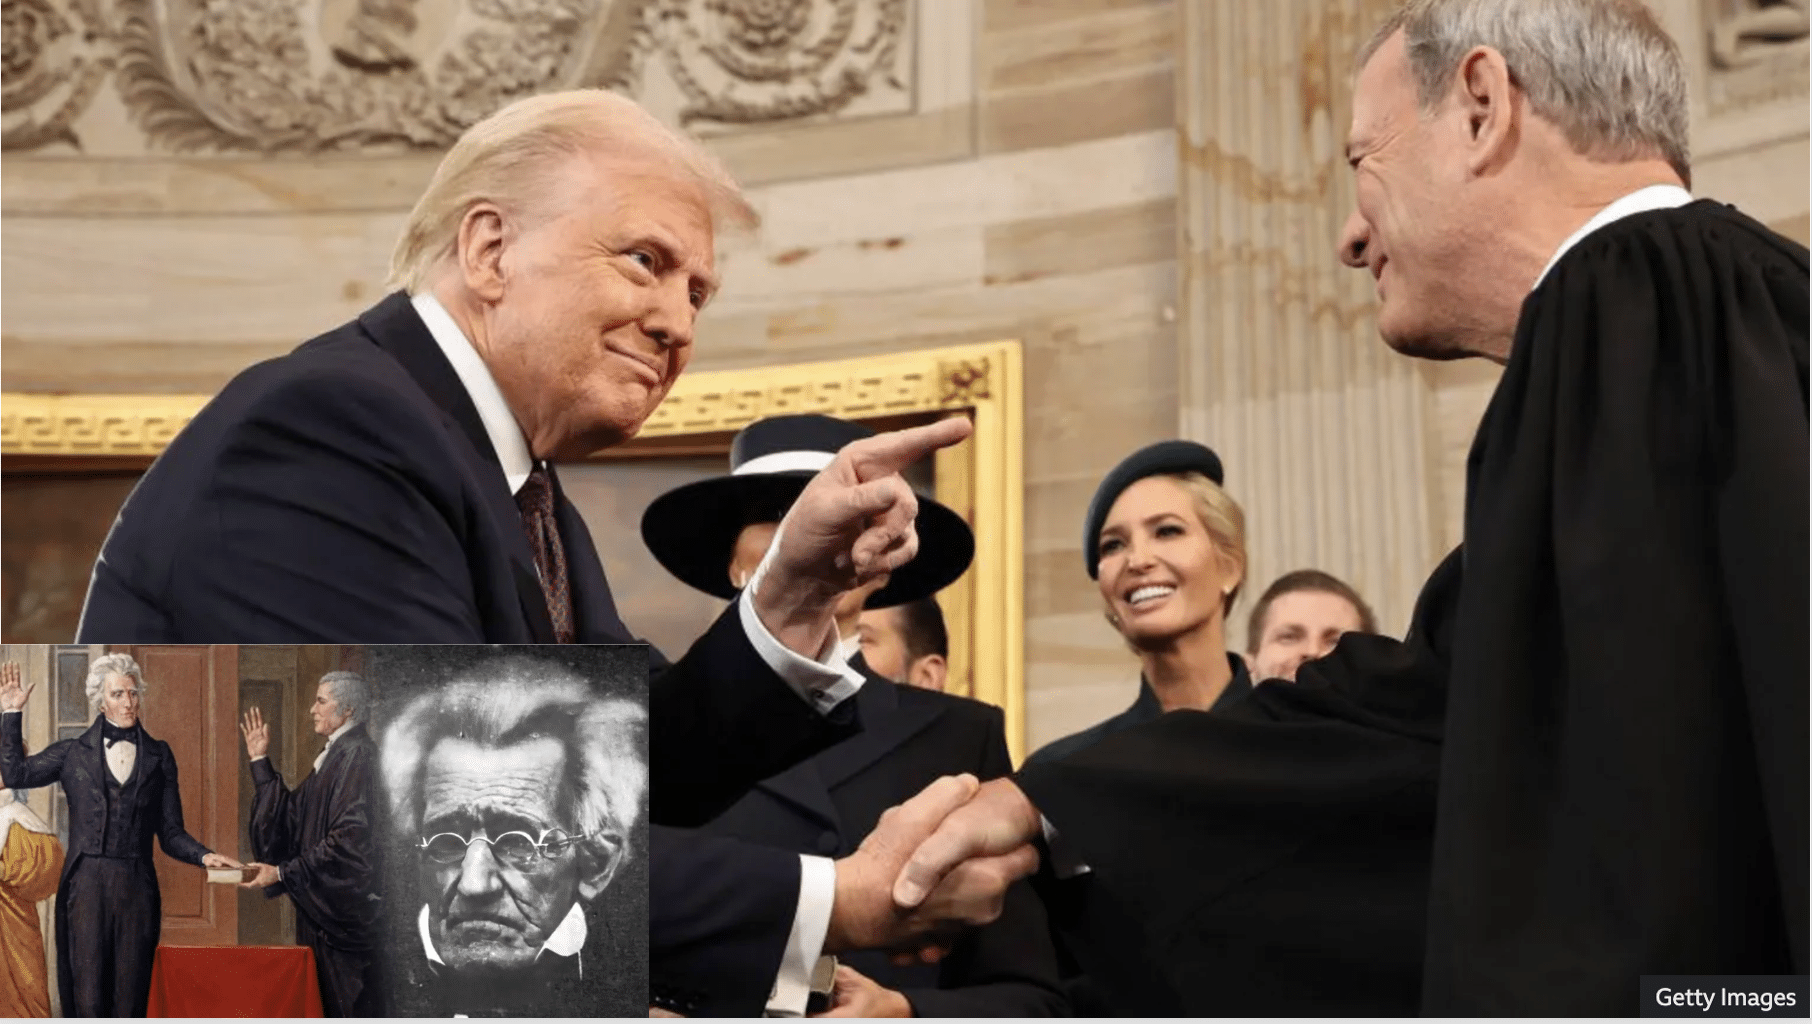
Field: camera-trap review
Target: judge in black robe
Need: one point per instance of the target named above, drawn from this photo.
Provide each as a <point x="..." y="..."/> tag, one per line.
<point x="319" y="838"/>
<point x="1623" y="783"/>
<point x="1623" y="786"/>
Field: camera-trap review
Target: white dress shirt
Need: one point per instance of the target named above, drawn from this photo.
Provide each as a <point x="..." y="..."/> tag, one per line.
<point x="823" y="683"/>
<point x="567" y="940"/>
<point x="121" y="756"/>
<point x="336" y="734"/>
<point x="1653" y="197"/>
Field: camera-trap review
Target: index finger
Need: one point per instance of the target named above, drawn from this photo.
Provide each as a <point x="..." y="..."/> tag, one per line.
<point x="885" y="454"/>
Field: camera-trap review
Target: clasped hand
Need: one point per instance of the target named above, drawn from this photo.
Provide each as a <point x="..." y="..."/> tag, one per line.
<point x="934" y="866"/>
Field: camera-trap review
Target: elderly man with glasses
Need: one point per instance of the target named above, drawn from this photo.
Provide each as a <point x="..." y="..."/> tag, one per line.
<point x="517" y="788"/>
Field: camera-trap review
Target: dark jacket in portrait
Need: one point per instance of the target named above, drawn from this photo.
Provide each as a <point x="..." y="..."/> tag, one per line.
<point x="827" y="805"/>
<point x="348" y="493"/>
<point x="113" y="822"/>
<point x="319" y="836"/>
<point x="1144" y="709"/>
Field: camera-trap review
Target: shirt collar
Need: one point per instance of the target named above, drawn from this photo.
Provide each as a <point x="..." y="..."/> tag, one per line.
<point x="341" y="731"/>
<point x="1653" y="197"/>
<point x="567" y="940"/>
<point x="499" y="423"/>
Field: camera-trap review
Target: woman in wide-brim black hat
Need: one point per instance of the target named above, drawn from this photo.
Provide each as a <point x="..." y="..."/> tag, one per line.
<point x="1166" y="546"/>
<point x="694" y="531"/>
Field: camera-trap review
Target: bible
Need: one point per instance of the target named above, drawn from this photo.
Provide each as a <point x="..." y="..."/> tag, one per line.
<point x="230" y="876"/>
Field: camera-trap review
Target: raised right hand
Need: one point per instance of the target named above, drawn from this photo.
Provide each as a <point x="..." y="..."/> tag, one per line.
<point x="257" y="734"/>
<point x="13" y="692"/>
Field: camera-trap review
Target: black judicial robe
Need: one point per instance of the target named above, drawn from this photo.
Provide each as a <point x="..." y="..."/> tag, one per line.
<point x="1270" y="856"/>
<point x="319" y="836"/>
<point x="1624" y="783"/>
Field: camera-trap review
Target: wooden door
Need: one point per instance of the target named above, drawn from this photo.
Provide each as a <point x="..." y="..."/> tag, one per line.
<point x="191" y="697"/>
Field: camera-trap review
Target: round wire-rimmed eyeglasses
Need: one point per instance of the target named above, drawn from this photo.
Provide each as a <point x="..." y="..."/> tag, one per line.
<point x="517" y="849"/>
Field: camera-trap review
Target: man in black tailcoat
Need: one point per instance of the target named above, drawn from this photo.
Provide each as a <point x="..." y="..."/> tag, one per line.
<point x="122" y="790"/>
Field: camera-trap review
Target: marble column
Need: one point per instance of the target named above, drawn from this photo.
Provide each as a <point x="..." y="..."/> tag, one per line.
<point x="1320" y="426"/>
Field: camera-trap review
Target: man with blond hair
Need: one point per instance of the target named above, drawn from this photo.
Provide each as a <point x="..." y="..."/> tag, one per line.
<point x="392" y="480"/>
<point x="1619" y="646"/>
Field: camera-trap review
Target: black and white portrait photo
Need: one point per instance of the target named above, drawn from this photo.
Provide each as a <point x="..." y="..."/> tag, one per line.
<point x="514" y="782"/>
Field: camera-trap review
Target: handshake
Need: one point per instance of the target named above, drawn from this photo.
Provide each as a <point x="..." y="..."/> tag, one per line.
<point x="934" y="865"/>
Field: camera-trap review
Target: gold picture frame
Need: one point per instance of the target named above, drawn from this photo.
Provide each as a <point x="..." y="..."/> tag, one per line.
<point x="982" y="479"/>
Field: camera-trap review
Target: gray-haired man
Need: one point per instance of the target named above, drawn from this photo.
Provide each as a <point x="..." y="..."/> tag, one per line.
<point x="314" y="844"/>
<point x="122" y="790"/>
<point x="518" y="787"/>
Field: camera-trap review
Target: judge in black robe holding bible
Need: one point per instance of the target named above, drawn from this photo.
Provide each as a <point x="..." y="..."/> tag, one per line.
<point x="314" y="845"/>
<point x="1623" y="636"/>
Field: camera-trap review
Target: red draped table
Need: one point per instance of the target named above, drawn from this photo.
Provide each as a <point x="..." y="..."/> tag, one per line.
<point x="234" y="981"/>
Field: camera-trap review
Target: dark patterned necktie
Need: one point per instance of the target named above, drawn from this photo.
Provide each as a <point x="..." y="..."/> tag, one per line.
<point x="536" y="500"/>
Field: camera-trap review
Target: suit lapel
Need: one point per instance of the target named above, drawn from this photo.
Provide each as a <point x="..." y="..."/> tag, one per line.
<point x="145" y="761"/>
<point x="95" y="753"/>
<point x="399" y="331"/>
<point x="887" y="722"/>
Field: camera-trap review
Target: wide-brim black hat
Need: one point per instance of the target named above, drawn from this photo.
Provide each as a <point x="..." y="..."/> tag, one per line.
<point x="692" y="529"/>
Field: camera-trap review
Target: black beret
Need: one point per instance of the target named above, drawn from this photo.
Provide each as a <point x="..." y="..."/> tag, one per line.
<point x="1151" y="460"/>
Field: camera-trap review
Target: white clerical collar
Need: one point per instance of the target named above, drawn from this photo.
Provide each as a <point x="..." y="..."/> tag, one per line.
<point x="341" y="731"/>
<point x="1653" y="197"/>
<point x="499" y="423"/>
<point x="567" y="940"/>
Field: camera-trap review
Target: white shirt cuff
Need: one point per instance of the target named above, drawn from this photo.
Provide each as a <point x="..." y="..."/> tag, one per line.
<point x="805" y="943"/>
<point x="1065" y="862"/>
<point x="260" y="757"/>
<point x="823" y="683"/>
<point x="12" y="711"/>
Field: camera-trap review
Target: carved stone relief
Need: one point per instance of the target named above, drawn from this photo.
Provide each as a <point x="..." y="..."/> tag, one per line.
<point x="54" y="63"/>
<point x="299" y="77"/>
<point x="1757" y="50"/>
<point x="748" y="61"/>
